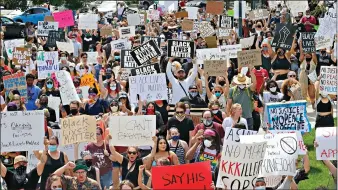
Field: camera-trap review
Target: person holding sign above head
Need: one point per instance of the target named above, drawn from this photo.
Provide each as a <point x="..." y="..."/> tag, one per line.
<point x="110" y="91"/>
<point x="220" y="90"/>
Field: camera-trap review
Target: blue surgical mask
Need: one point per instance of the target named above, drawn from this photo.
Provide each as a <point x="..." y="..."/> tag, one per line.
<point x="58" y="189"/>
<point x="175" y="138"/>
<point x="49" y="86"/>
<point x="117" y="57"/>
<point x="193" y="94"/>
<point x="260" y="188"/>
<point x="52" y="148"/>
<point x="218" y="94"/>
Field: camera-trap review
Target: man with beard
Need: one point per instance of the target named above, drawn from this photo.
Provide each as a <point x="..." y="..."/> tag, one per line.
<point x="180" y="86"/>
<point x="21" y="180"/>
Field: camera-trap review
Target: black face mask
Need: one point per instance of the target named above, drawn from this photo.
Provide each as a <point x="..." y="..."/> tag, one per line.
<point x="222" y="83"/>
<point x="323" y="52"/>
<point x="165" y="28"/>
<point x="308" y="59"/>
<point x="89" y="163"/>
<point x="74" y="111"/>
<point x="20" y="174"/>
<point x="43" y="104"/>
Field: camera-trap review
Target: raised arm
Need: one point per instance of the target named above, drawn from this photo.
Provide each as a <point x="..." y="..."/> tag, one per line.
<point x="170" y="75"/>
<point x="114" y="156"/>
<point x="140" y="178"/>
<point x="191" y="152"/>
<point x="193" y="75"/>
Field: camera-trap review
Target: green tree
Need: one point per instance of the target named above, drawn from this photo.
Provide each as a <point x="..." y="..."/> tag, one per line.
<point x="14" y="4"/>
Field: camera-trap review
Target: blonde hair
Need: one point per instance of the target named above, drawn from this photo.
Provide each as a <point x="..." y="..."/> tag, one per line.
<point x="235" y="107"/>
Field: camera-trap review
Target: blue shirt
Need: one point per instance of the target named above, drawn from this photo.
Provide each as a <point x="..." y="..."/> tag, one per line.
<point x="100" y="106"/>
<point x="32" y="94"/>
<point x="97" y="68"/>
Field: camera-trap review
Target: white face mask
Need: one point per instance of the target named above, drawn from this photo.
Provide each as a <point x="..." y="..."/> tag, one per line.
<point x="114" y="108"/>
<point x="112" y="87"/>
<point x="308" y="16"/>
<point x="324" y="95"/>
<point x="214" y="111"/>
<point x="184" y="38"/>
<point x="241" y="86"/>
<point x="207" y="143"/>
<point x="71" y="68"/>
<point x="63" y="58"/>
<point x="273" y="89"/>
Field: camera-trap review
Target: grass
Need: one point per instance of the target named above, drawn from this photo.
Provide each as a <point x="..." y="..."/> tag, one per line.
<point x="319" y="174"/>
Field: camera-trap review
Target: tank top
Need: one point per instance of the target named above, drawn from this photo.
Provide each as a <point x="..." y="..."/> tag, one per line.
<point x="179" y="151"/>
<point x="281" y="64"/>
<point x="324" y="107"/>
<point x="109" y="99"/>
<point x="218" y="117"/>
<point x="50" y="167"/>
<point x="91" y="173"/>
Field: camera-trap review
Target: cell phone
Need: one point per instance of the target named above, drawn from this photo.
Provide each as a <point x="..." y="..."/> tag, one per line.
<point x="138" y="97"/>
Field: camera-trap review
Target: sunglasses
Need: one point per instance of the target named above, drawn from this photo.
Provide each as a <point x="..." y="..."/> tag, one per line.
<point x="84" y="57"/>
<point x="54" y="186"/>
<point x="217" y="91"/>
<point x="293" y="76"/>
<point x="179" y="112"/>
<point x="49" y="83"/>
<point x="134" y="153"/>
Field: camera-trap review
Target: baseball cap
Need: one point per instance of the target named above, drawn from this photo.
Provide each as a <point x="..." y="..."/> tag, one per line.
<point x="192" y="87"/>
<point x="80" y="165"/>
<point x="123" y="95"/>
<point x="20" y="158"/>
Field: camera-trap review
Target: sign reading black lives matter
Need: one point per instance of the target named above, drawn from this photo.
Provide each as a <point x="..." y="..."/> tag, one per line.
<point x="144" y="53"/>
<point x="308" y="42"/>
<point x="284" y="36"/>
<point x="181" y="49"/>
<point x="225" y="22"/>
<point x="127" y="61"/>
<point x="147" y="38"/>
<point x="146" y="70"/>
<point x="54" y="36"/>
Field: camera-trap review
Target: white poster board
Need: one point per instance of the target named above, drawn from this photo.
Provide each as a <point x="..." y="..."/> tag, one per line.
<point x="88" y="21"/>
<point x="232" y="134"/>
<point x="44" y="27"/>
<point x="247" y="42"/>
<point x="192" y="12"/>
<point x="134" y="19"/>
<point x="92" y="57"/>
<point x="127" y="32"/>
<point x="65" y="46"/>
<point x="119" y="44"/>
<point x="231" y="49"/>
<point x="67" y="89"/>
<point x="54" y="103"/>
<point x="11" y="44"/>
<point x="48" y="63"/>
<point x="328" y="80"/>
<point x="301" y="146"/>
<point x="326" y="138"/>
<point x="210" y="54"/>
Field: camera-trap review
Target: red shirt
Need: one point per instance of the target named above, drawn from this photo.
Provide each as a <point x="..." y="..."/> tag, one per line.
<point x="312" y="20"/>
<point x="216" y="126"/>
<point x="260" y="75"/>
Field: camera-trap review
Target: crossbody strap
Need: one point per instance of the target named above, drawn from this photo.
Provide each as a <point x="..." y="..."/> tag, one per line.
<point x="183" y="88"/>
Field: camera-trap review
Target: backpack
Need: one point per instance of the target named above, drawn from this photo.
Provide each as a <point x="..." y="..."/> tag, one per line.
<point x="247" y="91"/>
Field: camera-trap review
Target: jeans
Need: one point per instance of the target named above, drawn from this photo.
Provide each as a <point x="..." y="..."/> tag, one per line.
<point x="250" y="123"/>
<point x="106" y="179"/>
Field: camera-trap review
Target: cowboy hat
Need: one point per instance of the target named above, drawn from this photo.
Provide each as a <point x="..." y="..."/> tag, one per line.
<point x="241" y="79"/>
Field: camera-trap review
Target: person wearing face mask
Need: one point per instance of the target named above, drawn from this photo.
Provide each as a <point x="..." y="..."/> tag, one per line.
<point x="95" y="105"/>
<point x="85" y="65"/>
<point x="89" y="38"/>
<point x="309" y="21"/>
<point x="98" y="67"/>
<point x="179" y="147"/>
<point x="19" y="179"/>
<point x="43" y="104"/>
<point x="266" y="52"/>
<point x="219" y="91"/>
<point x="160" y="127"/>
<point x="324" y="108"/>
<point x="111" y="92"/>
<point x="32" y="92"/>
<point x="207" y="147"/>
<point x="219" y="115"/>
<point x="49" y="88"/>
<point x="55" y="160"/>
<point x="272" y="93"/>
<point x="281" y="62"/>
<point x="194" y="98"/>
<point x="64" y="59"/>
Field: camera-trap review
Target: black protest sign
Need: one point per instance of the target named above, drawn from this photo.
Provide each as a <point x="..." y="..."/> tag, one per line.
<point x="144" y="53"/>
<point x="127" y="61"/>
<point x="284" y="36"/>
<point x="181" y="49"/>
<point x="308" y="42"/>
<point x="54" y="36"/>
<point x="128" y="11"/>
<point x="147" y="38"/>
<point x="226" y="22"/>
<point x="146" y="70"/>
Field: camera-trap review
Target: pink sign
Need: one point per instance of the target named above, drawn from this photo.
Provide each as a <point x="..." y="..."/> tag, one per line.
<point x="65" y="18"/>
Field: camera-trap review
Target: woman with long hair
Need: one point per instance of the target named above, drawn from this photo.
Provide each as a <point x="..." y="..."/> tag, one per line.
<point x="179" y="147"/>
<point x="54" y="182"/>
<point x="49" y="88"/>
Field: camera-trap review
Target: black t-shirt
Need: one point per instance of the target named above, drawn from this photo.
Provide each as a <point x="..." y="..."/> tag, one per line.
<point x="323" y="60"/>
<point x="32" y="179"/>
<point x="132" y="176"/>
<point x="184" y="127"/>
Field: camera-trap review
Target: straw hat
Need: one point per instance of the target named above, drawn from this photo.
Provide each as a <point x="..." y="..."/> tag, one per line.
<point x="241" y="79"/>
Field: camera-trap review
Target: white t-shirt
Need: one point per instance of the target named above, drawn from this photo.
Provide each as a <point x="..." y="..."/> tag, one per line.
<point x="269" y="98"/>
<point x="229" y="122"/>
<point x="2" y="101"/>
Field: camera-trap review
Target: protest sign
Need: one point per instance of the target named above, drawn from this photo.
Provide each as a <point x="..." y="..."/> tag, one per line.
<point x="64" y="18"/>
<point x="231" y="49"/>
<point x="78" y="129"/>
<point x="143" y="18"/>
<point x="89" y="80"/>
<point x="92" y="57"/>
<point x="127" y="61"/>
<point x="148" y="38"/>
<point x="145" y="52"/>
<point x="182" y="14"/>
<point x="127" y="32"/>
<point x="88" y="21"/>
<point x="328" y="80"/>
<point x="21" y="56"/>
<point x="45" y="27"/>
<point x="192" y="12"/>
<point x="54" y="36"/>
<point x="132" y="130"/>
<point x="134" y="19"/>
<point x="48" y="19"/>
<point x="326" y="138"/>
<point x="225" y="21"/>
<point x="223" y="33"/>
<point x="236" y="10"/>
<point x="297" y="6"/>
<point x="47" y="63"/>
<point x="11" y="44"/>
<point x="196" y="26"/>
<point x="32" y="160"/>
<point x="240" y="164"/>
<point x="308" y="41"/>
<point x="67" y="89"/>
<point x="16" y="81"/>
<point x="215" y="7"/>
<point x="149" y="87"/>
<point x="249" y="58"/>
<point x="146" y="70"/>
<point x="281" y="153"/>
<point x="258" y="14"/>
<point x="288" y="116"/>
<point x="232" y="134"/>
<point x="247" y="42"/>
<point x="106" y="30"/>
<point x="215" y="67"/>
<point x="153" y="15"/>
<point x="206" y="29"/>
<point x="209" y="54"/>
<point x="273" y="181"/>
<point x="23" y="134"/>
<point x="301" y="146"/>
<point x="119" y="44"/>
<point x="322" y="42"/>
<point x="127" y="11"/>
<point x="313" y="76"/>
<point x="188" y="176"/>
<point x="284" y="36"/>
<point x="54" y="103"/>
<point x="211" y="41"/>
<point x="187" y="25"/>
<point x="65" y="46"/>
<point x="181" y="49"/>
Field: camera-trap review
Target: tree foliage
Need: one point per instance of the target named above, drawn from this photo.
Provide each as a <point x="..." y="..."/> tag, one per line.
<point x="14" y="4"/>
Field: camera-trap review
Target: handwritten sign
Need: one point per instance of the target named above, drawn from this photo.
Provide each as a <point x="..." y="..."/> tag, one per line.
<point x="181" y="49"/>
<point x="64" y="18"/>
<point x="284" y="36"/>
<point x="247" y="42"/>
<point x="88" y="21"/>
<point x="226" y="22"/>
<point x="209" y="54"/>
<point x="192" y="12"/>
<point x="322" y="42"/>
<point x="144" y="53"/>
<point x="16" y="81"/>
<point x="146" y="70"/>
<point x="187" y="176"/>
<point x="119" y="44"/>
<point x="215" y="7"/>
<point x="206" y="29"/>
<point x="149" y="87"/>
<point x="187" y="25"/>
<point x="11" y="44"/>
<point x="48" y="63"/>
<point x="236" y="160"/>
<point x="249" y="58"/>
<point x="326" y="138"/>
<point x="233" y="134"/>
<point x="67" y="89"/>
<point x="32" y="161"/>
<point x="301" y="146"/>
<point x="148" y="38"/>
<point x="223" y="33"/>
<point x="211" y="41"/>
<point x="92" y="57"/>
<point x="78" y="129"/>
<point x="215" y="67"/>
<point x="127" y="61"/>
<point x="127" y="32"/>
<point x="21" y="56"/>
<point x="65" y="46"/>
<point x="288" y="116"/>
<point x="133" y="19"/>
<point x="153" y="15"/>
<point x="308" y="41"/>
<point x="54" y="36"/>
<point x="45" y="27"/>
<point x="132" y="130"/>
<point x="22" y="134"/>
<point x="231" y="49"/>
<point x="297" y="6"/>
<point x="106" y="31"/>
<point x="258" y="14"/>
<point x="328" y="80"/>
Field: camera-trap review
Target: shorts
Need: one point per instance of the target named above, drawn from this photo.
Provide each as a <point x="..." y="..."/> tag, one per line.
<point x="282" y="77"/>
<point x="324" y="121"/>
